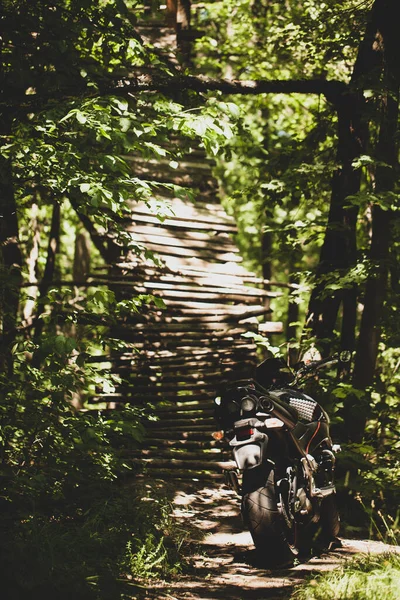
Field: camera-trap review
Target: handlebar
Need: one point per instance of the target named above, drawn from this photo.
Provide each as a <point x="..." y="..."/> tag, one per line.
<point x="315" y="365"/>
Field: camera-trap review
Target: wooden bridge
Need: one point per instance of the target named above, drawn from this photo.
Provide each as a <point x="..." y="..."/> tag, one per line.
<point x="187" y="347"/>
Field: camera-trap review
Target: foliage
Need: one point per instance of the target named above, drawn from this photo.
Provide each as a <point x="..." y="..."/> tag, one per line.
<point x="69" y="527"/>
<point x="72" y="144"/>
<point x="367" y="472"/>
<point x="92" y="549"/>
<point x="61" y="108"/>
<point x="365" y="577"/>
<point x="276" y="172"/>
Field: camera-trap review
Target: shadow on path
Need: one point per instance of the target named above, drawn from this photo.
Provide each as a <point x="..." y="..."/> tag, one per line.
<point x="224" y="561"/>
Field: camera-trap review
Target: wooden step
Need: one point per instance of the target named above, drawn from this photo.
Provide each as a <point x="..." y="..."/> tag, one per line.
<point x="184" y="415"/>
<point x="173" y="436"/>
<point x="186" y="408"/>
<point x="175" y="453"/>
<point x="141" y="399"/>
<point x="207" y="423"/>
<point x="184" y="475"/>
<point x="164" y="430"/>
<point x="173" y="463"/>
<point x="203" y="442"/>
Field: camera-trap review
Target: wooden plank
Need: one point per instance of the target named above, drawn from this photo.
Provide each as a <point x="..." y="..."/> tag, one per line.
<point x="186" y="475"/>
<point x="176" y="374"/>
<point x="170" y="464"/>
<point x="271" y="327"/>
<point x="192" y="253"/>
<point x="171" y="295"/>
<point x="180" y="286"/>
<point x="206" y="321"/>
<point x="178" y="388"/>
<point x="142" y="398"/>
<point x="163" y="273"/>
<point x="184" y="413"/>
<point x="177" y="453"/>
<point x="176" y="365"/>
<point x="228" y="354"/>
<point x="195" y="180"/>
<point x="182" y="384"/>
<point x="176" y="266"/>
<point x="188" y="209"/>
<point x="173" y="222"/>
<point x="167" y="357"/>
<point x="212" y="237"/>
<point x="176" y="298"/>
<point x="205" y="372"/>
<point x="185" y="307"/>
<point x="186" y="163"/>
<point x="196" y="338"/>
<point x="188" y="423"/>
<point x="178" y="442"/>
<point x="165" y="281"/>
<point x="183" y="380"/>
<point x="210" y="245"/>
<point x="198" y="329"/>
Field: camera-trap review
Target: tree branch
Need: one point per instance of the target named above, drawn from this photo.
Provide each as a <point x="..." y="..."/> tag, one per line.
<point x="331" y="89"/>
<point x="97" y="239"/>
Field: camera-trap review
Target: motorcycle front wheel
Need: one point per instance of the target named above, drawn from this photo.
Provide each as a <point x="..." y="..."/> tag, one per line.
<point x="272" y="538"/>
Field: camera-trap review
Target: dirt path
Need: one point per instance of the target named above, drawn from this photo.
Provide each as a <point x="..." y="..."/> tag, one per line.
<point x="225" y="562"/>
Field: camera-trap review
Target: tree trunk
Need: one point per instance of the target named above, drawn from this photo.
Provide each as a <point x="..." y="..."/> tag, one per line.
<point x="339" y="248"/>
<point x="10" y="265"/>
<point x="81" y="266"/>
<point x="52" y="250"/>
<point x="386" y="177"/>
<point x="99" y="241"/>
<point x="32" y="261"/>
<point x="292" y="319"/>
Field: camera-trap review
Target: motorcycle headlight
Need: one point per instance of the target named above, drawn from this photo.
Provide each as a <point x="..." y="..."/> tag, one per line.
<point x="248" y="404"/>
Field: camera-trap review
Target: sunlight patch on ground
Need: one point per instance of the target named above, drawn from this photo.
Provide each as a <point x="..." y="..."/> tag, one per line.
<point x="228" y="539"/>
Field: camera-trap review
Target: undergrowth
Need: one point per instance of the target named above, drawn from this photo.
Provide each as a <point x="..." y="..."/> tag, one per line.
<point x="365" y="577"/>
<point x="118" y="534"/>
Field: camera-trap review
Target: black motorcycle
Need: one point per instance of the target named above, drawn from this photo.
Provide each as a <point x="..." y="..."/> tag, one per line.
<point x="285" y="457"/>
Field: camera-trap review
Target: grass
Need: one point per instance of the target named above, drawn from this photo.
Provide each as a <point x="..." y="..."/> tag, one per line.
<point x="365" y="577"/>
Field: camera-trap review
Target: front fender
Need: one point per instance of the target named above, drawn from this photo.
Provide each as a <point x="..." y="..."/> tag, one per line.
<point x="248" y="456"/>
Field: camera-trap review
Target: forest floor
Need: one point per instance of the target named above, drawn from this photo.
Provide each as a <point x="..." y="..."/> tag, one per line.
<point x="224" y="562"/>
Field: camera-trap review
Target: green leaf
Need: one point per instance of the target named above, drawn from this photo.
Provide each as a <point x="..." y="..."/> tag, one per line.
<point x="125" y="124"/>
<point x="159" y="302"/>
<point x="80" y="117"/>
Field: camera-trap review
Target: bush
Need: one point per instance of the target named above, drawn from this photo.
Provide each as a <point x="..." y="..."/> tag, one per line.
<point x="70" y="524"/>
<point x="118" y="533"/>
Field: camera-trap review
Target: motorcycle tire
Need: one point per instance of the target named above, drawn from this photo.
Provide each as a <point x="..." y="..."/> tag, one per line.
<point x="263" y="519"/>
<point x="329" y="518"/>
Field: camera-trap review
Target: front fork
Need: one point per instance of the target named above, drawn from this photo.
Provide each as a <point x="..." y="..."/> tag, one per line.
<point x="232" y="480"/>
